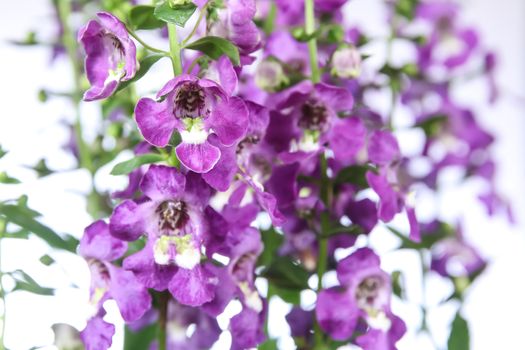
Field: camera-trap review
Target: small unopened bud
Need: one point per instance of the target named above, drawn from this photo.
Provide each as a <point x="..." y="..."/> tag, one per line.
<point x="175" y="3"/>
<point x="270" y="76"/>
<point x="42" y="95"/>
<point x="346" y="62"/>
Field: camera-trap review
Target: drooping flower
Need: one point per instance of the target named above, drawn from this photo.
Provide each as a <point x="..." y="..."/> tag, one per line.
<point x="109" y="281"/>
<point x="111" y="55"/>
<point x="195" y="108"/>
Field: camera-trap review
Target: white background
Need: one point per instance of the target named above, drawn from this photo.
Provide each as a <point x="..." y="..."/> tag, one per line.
<point x="31" y="130"/>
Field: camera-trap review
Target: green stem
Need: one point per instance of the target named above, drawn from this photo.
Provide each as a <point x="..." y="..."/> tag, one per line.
<point x="70" y="43"/>
<point x="146" y="46"/>
<point x="2" y="291"/>
<point x="163" y="319"/>
<point x="174" y="49"/>
<point x="199" y="20"/>
<point x="322" y="240"/>
<point x="309" y="26"/>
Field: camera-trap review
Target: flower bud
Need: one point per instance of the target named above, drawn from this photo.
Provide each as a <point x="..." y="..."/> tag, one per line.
<point x="175" y="3"/>
<point x="346" y="62"/>
<point x="270" y="76"/>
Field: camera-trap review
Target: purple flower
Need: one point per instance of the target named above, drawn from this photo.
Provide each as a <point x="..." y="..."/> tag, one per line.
<point x="98" y="334"/>
<point x="99" y="248"/>
<point x="236" y="24"/>
<point x="445" y="35"/>
<point x="108" y="281"/>
<point x="172" y="218"/>
<point x="111" y="55"/>
<point x="364" y="293"/>
<point x="195" y="108"/>
<point x="311" y="117"/>
<point x="392" y="200"/>
<point x="454" y="257"/>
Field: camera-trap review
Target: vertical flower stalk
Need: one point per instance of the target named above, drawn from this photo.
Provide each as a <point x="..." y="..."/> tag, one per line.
<point x="69" y="42"/>
<point x="174" y="49"/>
<point x="309" y="26"/>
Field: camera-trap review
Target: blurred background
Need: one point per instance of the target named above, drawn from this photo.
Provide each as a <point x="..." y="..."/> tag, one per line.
<point x="31" y="130"/>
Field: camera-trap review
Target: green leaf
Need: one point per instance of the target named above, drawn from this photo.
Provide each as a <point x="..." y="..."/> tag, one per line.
<point x="292" y="296"/>
<point x="285" y="274"/>
<point x="21" y="217"/>
<point x="397" y="284"/>
<point x="129" y="165"/>
<point x="406" y="243"/>
<point x="3" y="152"/>
<point x="140" y="340"/>
<point x="354" y="174"/>
<point x="47" y="260"/>
<point x="270" y="344"/>
<point x="215" y="47"/>
<point x="433" y="125"/>
<point x="459" y="338"/>
<point x="25" y="282"/>
<point x="142" y="17"/>
<point x="178" y="15"/>
<point x="145" y="65"/>
<point x="272" y="240"/>
<point x="41" y="168"/>
<point x="8" y="180"/>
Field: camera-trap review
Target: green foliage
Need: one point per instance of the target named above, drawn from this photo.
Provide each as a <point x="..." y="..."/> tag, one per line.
<point x="284" y="273"/>
<point x="140" y="340"/>
<point x="25" y="218"/>
<point x="8" y="180"/>
<point x="129" y="165"/>
<point x="46" y="260"/>
<point x="270" y="344"/>
<point x="406" y="8"/>
<point x="355" y="175"/>
<point x="178" y="14"/>
<point x="272" y="240"/>
<point x="42" y="169"/>
<point x="25" y="282"/>
<point x="215" y="47"/>
<point x="459" y="338"/>
<point x="433" y="125"/>
<point x="145" y="65"/>
<point x="142" y="17"/>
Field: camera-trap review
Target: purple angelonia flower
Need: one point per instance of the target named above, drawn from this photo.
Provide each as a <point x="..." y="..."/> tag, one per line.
<point x="99" y="248"/>
<point x="109" y="281"/>
<point x="111" y="55"/>
<point x="236" y="24"/>
<point x="311" y="117"/>
<point x="98" y="334"/>
<point x="195" y="108"/>
<point x="172" y="218"/>
<point x="364" y="293"/>
<point x="449" y="46"/>
<point x="454" y="257"/>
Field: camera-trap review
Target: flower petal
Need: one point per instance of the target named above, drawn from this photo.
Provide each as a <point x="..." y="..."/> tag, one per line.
<point x="155" y="121"/>
<point x="199" y="158"/>
<point x="98" y="243"/>
<point x="193" y="287"/>
<point x="336" y="313"/>
<point x="131" y="296"/>
<point x="98" y="334"/>
<point x="161" y="182"/>
<point x="229" y="121"/>
<point x="127" y="221"/>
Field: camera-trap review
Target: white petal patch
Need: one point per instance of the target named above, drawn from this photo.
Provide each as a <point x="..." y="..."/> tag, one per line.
<point x="188" y="258"/>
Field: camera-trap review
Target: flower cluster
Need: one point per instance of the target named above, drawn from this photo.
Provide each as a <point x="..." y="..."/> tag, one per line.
<point x="274" y="154"/>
